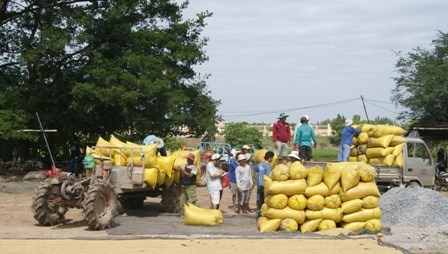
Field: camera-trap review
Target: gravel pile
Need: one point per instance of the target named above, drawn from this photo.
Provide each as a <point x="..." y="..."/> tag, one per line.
<point x="414" y="207"/>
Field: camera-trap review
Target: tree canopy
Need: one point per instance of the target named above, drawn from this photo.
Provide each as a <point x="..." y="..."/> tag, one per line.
<point x="239" y="134"/>
<point x="96" y="68"/>
<point x="422" y="83"/>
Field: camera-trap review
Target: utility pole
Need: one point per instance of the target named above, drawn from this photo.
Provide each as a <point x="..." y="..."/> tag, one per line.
<point x="365" y="110"/>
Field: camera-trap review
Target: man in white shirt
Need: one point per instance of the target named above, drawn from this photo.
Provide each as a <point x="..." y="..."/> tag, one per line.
<point x="244" y="183"/>
<point x="214" y="185"/>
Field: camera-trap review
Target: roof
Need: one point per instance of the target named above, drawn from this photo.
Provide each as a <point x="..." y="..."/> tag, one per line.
<point x="436" y="132"/>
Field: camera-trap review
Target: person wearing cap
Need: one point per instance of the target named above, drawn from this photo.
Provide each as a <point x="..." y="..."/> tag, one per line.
<point x="151" y="139"/>
<point x="346" y="140"/>
<point x="232" y="179"/>
<point x="304" y="139"/>
<point x="245" y="151"/>
<point x="294" y="157"/>
<point x="189" y="173"/>
<point x="281" y="134"/>
<point x="244" y="183"/>
<point x="263" y="168"/>
<point x="214" y="185"/>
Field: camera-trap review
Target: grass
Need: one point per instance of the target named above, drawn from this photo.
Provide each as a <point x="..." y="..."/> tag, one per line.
<point x="326" y="154"/>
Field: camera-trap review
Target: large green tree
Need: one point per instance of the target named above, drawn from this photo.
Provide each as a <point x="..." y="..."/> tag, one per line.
<point x="422" y="83"/>
<point x="239" y="134"/>
<point x="102" y="67"/>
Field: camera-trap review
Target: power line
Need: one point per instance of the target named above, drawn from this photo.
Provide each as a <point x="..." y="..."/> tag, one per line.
<point x="382" y="107"/>
<point x="386" y="102"/>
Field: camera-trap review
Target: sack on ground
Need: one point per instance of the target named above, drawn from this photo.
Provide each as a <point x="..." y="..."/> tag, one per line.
<point x="310" y="226"/>
<point x="197" y="216"/>
<point x="326" y="225"/>
<point x="289" y="225"/>
<point x="374" y="225"/>
<point x="286" y="213"/>
<point x="268" y="225"/>
<point x="354" y="226"/>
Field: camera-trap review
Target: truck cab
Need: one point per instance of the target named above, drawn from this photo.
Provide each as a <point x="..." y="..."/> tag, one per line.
<point x="418" y="164"/>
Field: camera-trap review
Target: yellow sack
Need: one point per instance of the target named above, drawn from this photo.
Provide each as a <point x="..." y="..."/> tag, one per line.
<point x="264" y="209"/>
<point x="280" y="173"/>
<point x="119" y="158"/>
<point x="389" y="160"/>
<point x="103" y="147"/>
<point x="363" y="137"/>
<point x="259" y="155"/>
<point x="363" y="158"/>
<point x="354" y="141"/>
<point x="169" y="180"/>
<point x="365" y="127"/>
<point x="333" y="201"/>
<point x="398" y="149"/>
<point x="150" y="152"/>
<point x="336" y="190"/>
<point x="115" y="142"/>
<point x="320" y="189"/>
<point x="389" y="150"/>
<point x="297" y="202"/>
<point x="151" y="176"/>
<point x="354" y="226"/>
<point x="315" y="175"/>
<point x="197" y="216"/>
<point x="361" y="191"/>
<point x="375" y="152"/>
<point x="353" y="151"/>
<point x="181" y="159"/>
<point x="370" y="202"/>
<point x="362" y="215"/>
<point x="286" y="213"/>
<point x="288" y="187"/>
<point x="267" y="184"/>
<point x="177" y="176"/>
<point x="397" y="140"/>
<point x="297" y="171"/>
<point x="310" y="226"/>
<point x="351" y="206"/>
<point x="326" y="225"/>
<point x="383" y="130"/>
<point x="362" y="149"/>
<point x="332" y="174"/>
<point x="378" y="160"/>
<point x="367" y="173"/>
<point x="315" y="203"/>
<point x="167" y="164"/>
<point x="349" y="177"/>
<point x="289" y="225"/>
<point x="325" y="214"/>
<point x="374" y="225"/>
<point x="161" y="177"/>
<point x="380" y="142"/>
<point x="266" y="225"/>
<point x="278" y="201"/>
<point x="399" y="160"/>
<point x="274" y="160"/>
<point x="352" y="159"/>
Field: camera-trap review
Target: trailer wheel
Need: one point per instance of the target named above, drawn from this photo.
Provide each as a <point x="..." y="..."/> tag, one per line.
<point x="100" y="206"/>
<point x="413" y="184"/>
<point x="46" y="212"/>
<point x="170" y="198"/>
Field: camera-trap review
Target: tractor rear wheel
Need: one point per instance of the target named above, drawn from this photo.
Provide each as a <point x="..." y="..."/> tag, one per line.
<point x="170" y="198"/>
<point x="100" y="206"/>
<point x="45" y="211"/>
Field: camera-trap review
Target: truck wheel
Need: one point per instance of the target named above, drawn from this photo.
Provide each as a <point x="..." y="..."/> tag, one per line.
<point x="46" y="212"/>
<point x="100" y="206"/>
<point x="413" y="184"/>
<point x="170" y="198"/>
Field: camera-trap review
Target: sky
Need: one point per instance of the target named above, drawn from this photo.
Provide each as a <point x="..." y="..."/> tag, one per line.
<point x="311" y="57"/>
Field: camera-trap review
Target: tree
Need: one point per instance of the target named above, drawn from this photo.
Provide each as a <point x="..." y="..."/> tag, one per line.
<point x="101" y="67"/>
<point x="422" y="83"/>
<point x="337" y="125"/>
<point x="238" y="134"/>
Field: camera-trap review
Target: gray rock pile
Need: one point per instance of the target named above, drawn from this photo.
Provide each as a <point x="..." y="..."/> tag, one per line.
<point x="414" y="207"/>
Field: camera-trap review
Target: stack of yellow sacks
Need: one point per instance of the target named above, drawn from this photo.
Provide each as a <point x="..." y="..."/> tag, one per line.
<point x="158" y="169"/>
<point x="314" y="199"/>
<point x="379" y="144"/>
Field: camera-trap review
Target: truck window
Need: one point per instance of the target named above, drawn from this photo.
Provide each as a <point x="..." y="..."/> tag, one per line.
<point x="420" y="151"/>
<point x="411" y="150"/>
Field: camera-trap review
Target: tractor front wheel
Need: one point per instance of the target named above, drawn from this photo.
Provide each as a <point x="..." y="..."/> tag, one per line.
<point x="46" y="211"/>
<point x="100" y="206"/>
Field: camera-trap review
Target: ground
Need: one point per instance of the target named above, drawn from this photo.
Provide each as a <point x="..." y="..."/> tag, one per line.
<point x="150" y="229"/>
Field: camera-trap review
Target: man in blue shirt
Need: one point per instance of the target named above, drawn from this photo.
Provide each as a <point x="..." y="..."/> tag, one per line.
<point x="263" y="168"/>
<point x="232" y="179"/>
<point x="346" y="140"/>
<point x="304" y="136"/>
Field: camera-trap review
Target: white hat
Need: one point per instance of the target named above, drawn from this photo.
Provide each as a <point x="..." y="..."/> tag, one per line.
<point x="242" y="157"/>
<point x="248" y="156"/>
<point x="348" y="122"/>
<point x="159" y="142"/>
<point x="216" y="156"/>
<point x="245" y="147"/>
<point x="294" y="154"/>
<point x="306" y="117"/>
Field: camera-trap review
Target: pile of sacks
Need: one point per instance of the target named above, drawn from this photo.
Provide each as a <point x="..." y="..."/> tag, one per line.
<point x="343" y="195"/>
<point x="378" y="144"/>
<point x="158" y="169"/>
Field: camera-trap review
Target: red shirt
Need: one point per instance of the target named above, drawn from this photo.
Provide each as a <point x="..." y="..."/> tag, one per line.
<point x="281" y="132"/>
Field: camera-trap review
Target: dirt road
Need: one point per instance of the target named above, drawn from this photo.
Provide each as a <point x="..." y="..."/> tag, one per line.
<point x="149" y="230"/>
